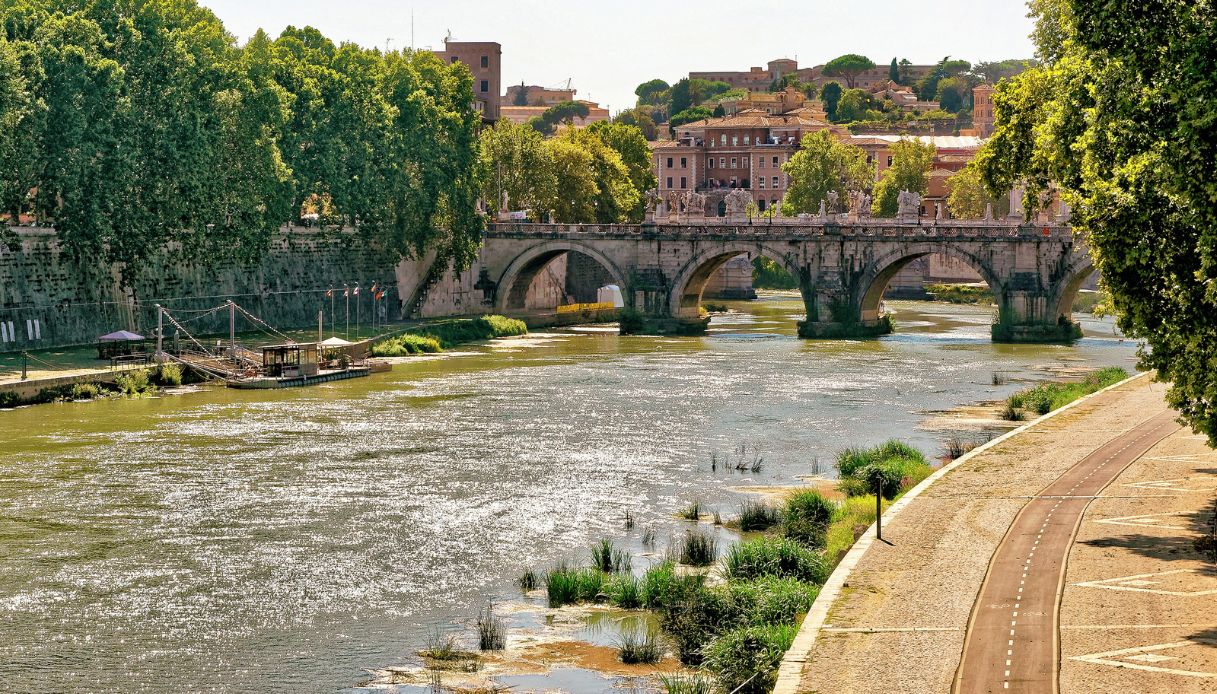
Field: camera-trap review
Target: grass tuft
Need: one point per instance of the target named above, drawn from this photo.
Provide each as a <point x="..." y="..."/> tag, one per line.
<point x="528" y="580"/>
<point x="755" y="516"/>
<point x="778" y="557"/>
<point x="492" y="631"/>
<point x="608" y="559"/>
<point x="635" y="648"/>
<point x="567" y="586"/>
<point x="698" y="548"/>
<point x="691" y="512"/>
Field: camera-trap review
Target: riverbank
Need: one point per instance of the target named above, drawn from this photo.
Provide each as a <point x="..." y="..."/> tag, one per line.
<point x="898" y="614"/>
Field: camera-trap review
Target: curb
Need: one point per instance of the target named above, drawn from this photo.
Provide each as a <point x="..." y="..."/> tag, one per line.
<point x="791" y="671"/>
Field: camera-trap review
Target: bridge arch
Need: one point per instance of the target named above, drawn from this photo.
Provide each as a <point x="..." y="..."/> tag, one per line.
<point x="880" y="272"/>
<point x="691" y="279"/>
<point x="513" y="284"/>
<point x="1065" y="292"/>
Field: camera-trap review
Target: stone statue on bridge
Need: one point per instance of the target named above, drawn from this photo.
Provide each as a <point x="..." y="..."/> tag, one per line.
<point x="832" y="201"/>
<point x="909" y="205"/>
<point x="738" y="201"/>
<point x="695" y="203"/>
<point x="823" y="212"/>
<point x="652" y="202"/>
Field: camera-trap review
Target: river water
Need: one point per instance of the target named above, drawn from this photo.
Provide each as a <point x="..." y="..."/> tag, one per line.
<point x="253" y="541"/>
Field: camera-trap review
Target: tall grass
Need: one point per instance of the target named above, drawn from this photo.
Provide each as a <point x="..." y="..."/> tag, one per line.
<point x="492" y="631"/>
<point x="778" y="557"/>
<point x="624" y="591"/>
<point x="686" y="684"/>
<point x="608" y="559"/>
<point x="746" y="660"/>
<point x="897" y="464"/>
<point x="135" y="384"/>
<point x="755" y="516"/>
<point x="698" y="548"/>
<point x="639" y="647"/>
<point x="1046" y="397"/>
<point x="566" y="586"/>
<point x="691" y="512"/>
<point x="405" y="345"/>
<point x="807" y="516"/>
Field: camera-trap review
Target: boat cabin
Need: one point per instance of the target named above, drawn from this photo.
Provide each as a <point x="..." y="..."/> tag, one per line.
<point x="291" y="361"/>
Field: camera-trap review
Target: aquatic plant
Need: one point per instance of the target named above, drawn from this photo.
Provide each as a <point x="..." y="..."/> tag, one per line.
<point x="691" y="512"/>
<point x="629" y="520"/>
<point x="565" y="586"/>
<point x="698" y="548"/>
<point x="405" y="345"/>
<point x="755" y="515"/>
<point x="1047" y="397"/>
<point x="1010" y="413"/>
<point x="607" y="558"/>
<point x="528" y="580"/>
<point x="634" y="647"/>
<point x="648" y="536"/>
<point x="746" y="660"/>
<point x="492" y="630"/>
<point x="716" y="308"/>
<point x="661" y="586"/>
<point x="780" y="557"/>
<point x="441" y="645"/>
<point x="134" y="384"/>
<point x="624" y="591"/>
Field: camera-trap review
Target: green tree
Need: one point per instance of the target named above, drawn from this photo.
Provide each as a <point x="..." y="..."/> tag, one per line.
<point x="1120" y="117"/>
<point x="927" y="88"/>
<point x="822" y="165"/>
<point x="955" y="94"/>
<point x="639" y="117"/>
<point x="968" y="196"/>
<point x="630" y="144"/>
<point x="848" y="67"/>
<point x="593" y="182"/>
<point x="565" y="112"/>
<point x="514" y="160"/>
<point x="576" y="189"/>
<point x="694" y="92"/>
<point x="831" y="96"/>
<point x="689" y="115"/>
<point x="854" y="105"/>
<point x="893" y="72"/>
<point x="521" y="97"/>
<point x="911" y="164"/>
<point x="652" y="92"/>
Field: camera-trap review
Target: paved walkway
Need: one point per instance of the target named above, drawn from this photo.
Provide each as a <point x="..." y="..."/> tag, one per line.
<point x="899" y="623"/>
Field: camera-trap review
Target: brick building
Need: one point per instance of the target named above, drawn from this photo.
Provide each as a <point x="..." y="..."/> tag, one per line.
<point x="537" y="96"/>
<point x="759" y="79"/>
<point x="484" y="59"/>
<point x="982" y="109"/>
<point x="522" y="114"/>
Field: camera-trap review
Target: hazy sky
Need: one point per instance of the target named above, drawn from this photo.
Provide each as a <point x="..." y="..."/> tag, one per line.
<point x="608" y="48"/>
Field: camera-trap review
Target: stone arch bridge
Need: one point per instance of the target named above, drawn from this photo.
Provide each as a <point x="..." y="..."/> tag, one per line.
<point x="1035" y="271"/>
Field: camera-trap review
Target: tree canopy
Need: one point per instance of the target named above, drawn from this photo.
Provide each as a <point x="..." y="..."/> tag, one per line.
<point x="853" y="105"/>
<point x="968" y="196"/>
<point x="821" y="165"/>
<point x="911" y="164"/>
<point x="848" y="67"/>
<point x="689" y="115"/>
<point x="830" y="94"/>
<point x="652" y="92"/>
<point x="141" y="122"/>
<point x="1120" y="117"/>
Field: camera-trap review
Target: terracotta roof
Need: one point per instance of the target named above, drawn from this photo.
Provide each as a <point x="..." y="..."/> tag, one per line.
<point x="756" y="118"/>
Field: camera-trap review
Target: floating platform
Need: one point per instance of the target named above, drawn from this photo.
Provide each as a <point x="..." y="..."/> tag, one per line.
<point x="273" y="383"/>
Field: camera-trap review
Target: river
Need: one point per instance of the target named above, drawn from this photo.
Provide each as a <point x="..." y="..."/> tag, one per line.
<point x="256" y="541"/>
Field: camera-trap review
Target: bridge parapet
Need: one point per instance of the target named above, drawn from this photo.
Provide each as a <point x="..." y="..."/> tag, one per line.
<point x="785" y="230"/>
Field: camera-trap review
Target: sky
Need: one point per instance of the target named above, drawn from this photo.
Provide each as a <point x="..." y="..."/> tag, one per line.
<point x="607" y="48"/>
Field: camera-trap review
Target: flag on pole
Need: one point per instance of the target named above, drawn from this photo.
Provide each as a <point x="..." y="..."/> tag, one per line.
<point x="373" y="289"/>
<point x="346" y="292"/>
<point x="329" y="293"/>
<point x="357" y="290"/>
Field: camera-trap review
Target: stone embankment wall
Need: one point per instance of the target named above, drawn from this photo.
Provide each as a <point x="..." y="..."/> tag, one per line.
<point x="49" y="299"/>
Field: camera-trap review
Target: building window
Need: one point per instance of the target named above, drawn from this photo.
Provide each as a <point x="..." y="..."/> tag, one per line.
<point x="710" y="163"/>
<point x="453" y="61"/>
<point x="775" y="182"/>
<point x="485" y="61"/>
<point x="734" y="163"/>
<point x="723" y="139"/>
<point x="669" y="181"/>
<point x="683" y="162"/>
<point x="735" y="140"/>
<point x="669" y="165"/>
<point x="889" y="161"/>
<point x="775" y="162"/>
<point x="870" y="159"/>
<point x="747" y="139"/>
<point x="684" y="183"/>
<point x="722" y="162"/>
<point x="761" y="181"/>
<point x="485" y="86"/>
<point x="762" y="160"/>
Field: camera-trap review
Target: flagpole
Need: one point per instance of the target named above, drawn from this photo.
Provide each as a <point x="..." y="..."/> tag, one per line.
<point x="346" y="292"/>
<point x="358" y="308"/>
<point x="331" y="308"/>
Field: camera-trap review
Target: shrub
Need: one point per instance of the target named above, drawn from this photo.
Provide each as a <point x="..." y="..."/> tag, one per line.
<point x="691" y="512"/>
<point x="9" y="399"/>
<point x="630" y="321"/>
<point x="695" y="614"/>
<point x="608" y="559"/>
<point x="134" y="383"/>
<point x="757" y="515"/>
<point x="405" y="345"/>
<point x="85" y="391"/>
<point x="635" y="648"/>
<point x="1012" y="414"/>
<point x="169" y="374"/>
<point x="779" y="557"/>
<point x="660" y="587"/>
<point x="1047" y="397"/>
<point x="806" y="517"/>
<point x="854" y="517"/>
<point x="746" y="660"/>
<point x="565" y="586"/>
<point x="686" y="684"/>
<point x="698" y="548"/>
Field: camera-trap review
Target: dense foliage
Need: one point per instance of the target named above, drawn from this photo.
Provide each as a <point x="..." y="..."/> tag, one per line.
<point x="592" y="175"/>
<point x="822" y="165"/>
<point x="132" y="123"/>
<point x="1120" y="116"/>
<point x="848" y="67"/>
<point x="910" y="170"/>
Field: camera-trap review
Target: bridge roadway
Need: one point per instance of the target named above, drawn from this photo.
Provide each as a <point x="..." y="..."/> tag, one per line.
<point x="843" y="267"/>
